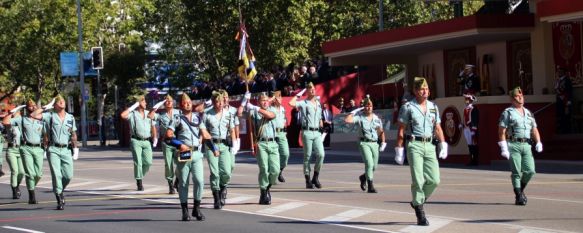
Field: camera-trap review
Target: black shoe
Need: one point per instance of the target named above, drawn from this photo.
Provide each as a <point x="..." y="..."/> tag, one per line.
<point x="420" y="213"/>
<point x="223" y="193"/>
<point x="371" y="188"/>
<point x="60" y="205"/>
<point x="280" y="177"/>
<point x="263" y="198"/>
<point x="139" y="184"/>
<point x="196" y="211"/>
<point x="31" y="197"/>
<point x="309" y="184"/>
<point x="185" y="216"/>
<point x="362" y="179"/>
<point x="315" y="180"/>
<point x="217" y="200"/>
<point x="268" y="194"/>
<point x="171" y="189"/>
<point x="522" y="187"/>
<point x="63" y="198"/>
<point x="1" y="172"/>
<point x="519" y="197"/>
<point x="176" y="183"/>
<point x="15" y="193"/>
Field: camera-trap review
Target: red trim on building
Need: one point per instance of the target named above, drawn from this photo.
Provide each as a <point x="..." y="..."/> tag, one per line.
<point x="558" y="7"/>
<point x="430" y="29"/>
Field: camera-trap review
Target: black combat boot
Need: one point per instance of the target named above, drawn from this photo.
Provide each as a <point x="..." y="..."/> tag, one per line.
<point x="31" y="197"/>
<point x="518" y="197"/>
<point x="420" y="213"/>
<point x="176" y="182"/>
<point x="196" y="211"/>
<point x="309" y="184"/>
<point x="263" y="197"/>
<point x="522" y="187"/>
<point x="371" y="188"/>
<point x="171" y="189"/>
<point x="268" y="194"/>
<point x="1" y="172"/>
<point x="63" y="198"/>
<point x="362" y="179"/>
<point x="315" y="180"/>
<point x="15" y="193"/>
<point x="139" y="184"/>
<point x="223" y="193"/>
<point x="280" y="177"/>
<point x="185" y="216"/>
<point x="476" y="156"/>
<point x="217" y="199"/>
<point x="60" y="205"/>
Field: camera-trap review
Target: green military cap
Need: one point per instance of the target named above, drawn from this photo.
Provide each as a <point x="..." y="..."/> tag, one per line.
<point x="168" y="98"/>
<point x="263" y="95"/>
<point x="184" y="96"/>
<point x="420" y="82"/>
<point x="367" y="101"/>
<point x="310" y="85"/>
<point x="277" y="94"/>
<point x="30" y="102"/>
<point x="516" y="91"/>
<point x="223" y="92"/>
<point x="138" y="98"/>
<point x="216" y="95"/>
<point x="59" y="97"/>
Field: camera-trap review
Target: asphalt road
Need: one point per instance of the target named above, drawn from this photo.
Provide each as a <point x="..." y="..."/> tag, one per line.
<point x="102" y="198"/>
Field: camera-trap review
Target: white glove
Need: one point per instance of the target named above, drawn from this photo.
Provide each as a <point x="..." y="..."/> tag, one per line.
<point x="45" y="154"/>
<point x="133" y="107"/>
<point x="17" y="109"/>
<point x="157" y="105"/>
<point x="49" y="105"/>
<point x="208" y="103"/>
<point x="399" y="155"/>
<point x="233" y="150"/>
<point x="383" y="146"/>
<point x="246" y="98"/>
<point x="461" y="73"/>
<point x="443" y="150"/>
<point x="301" y="93"/>
<point x="75" y="153"/>
<point x="252" y="107"/>
<point x="318" y="98"/>
<point x="236" y="146"/>
<point x="539" y="147"/>
<point x="355" y="111"/>
<point x="504" y="149"/>
<point x="323" y="136"/>
<point x="155" y="142"/>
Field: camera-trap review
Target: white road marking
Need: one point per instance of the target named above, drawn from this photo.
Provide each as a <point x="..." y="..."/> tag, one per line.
<point x="346" y="215"/>
<point x="239" y="199"/>
<point x="282" y="208"/>
<point x="21" y="229"/>
<point x="111" y="187"/>
<point x="434" y="224"/>
<point x="534" y="231"/>
<point x="81" y="184"/>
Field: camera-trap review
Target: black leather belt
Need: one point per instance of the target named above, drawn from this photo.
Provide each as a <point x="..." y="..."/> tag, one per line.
<point x="11" y="145"/>
<point x="419" y="139"/>
<point x="513" y="139"/>
<point x="60" y="145"/>
<point x="280" y="130"/>
<point x="194" y="148"/>
<point x="139" y="138"/>
<point x="311" y="129"/>
<point x="218" y="140"/>
<point x="32" y="144"/>
<point x="267" y="139"/>
<point x="367" y="140"/>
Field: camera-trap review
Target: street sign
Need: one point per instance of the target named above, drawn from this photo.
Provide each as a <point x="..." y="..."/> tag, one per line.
<point x="69" y="63"/>
<point x="87" y="66"/>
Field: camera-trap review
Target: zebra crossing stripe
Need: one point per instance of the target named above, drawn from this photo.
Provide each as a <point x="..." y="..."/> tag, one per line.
<point x="345" y="216"/>
<point x="282" y="208"/>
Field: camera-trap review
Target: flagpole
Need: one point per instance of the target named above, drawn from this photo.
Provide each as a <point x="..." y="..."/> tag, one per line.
<point x="251" y="126"/>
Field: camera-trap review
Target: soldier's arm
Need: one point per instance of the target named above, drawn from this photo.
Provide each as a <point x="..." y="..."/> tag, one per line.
<point x="349" y="119"/>
<point x="293" y="102"/>
<point x="401" y="134"/>
<point x="37" y="114"/>
<point x="501" y="133"/>
<point x="6" y="120"/>
<point x="268" y="115"/>
<point x="74" y="139"/>
<point x="439" y="133"/>
<point x="125" y="114"/>
<point x="535" y="135"/>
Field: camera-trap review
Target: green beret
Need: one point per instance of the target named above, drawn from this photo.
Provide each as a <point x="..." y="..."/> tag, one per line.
<point x="420" y="82"/>
<point x="516" y="91"/>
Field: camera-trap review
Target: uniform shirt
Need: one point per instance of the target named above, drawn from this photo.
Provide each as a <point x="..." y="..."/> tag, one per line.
<point x="140" y="126"/>
<point x="14" y="133"/>
<point x="419" y="124"/>
<point x="516" y="124"/>
<point x="190" y="137"/>
<point x="268" y="125"/>
<point x="32" y="130"/>
<point x="311" y="113"/>
<point x="280" y="119"/>
<point x="60" y="132"/>
<point x="368" y="128"/>
<point x="164" y="121"/>
<point x="217" y="127"/>
<point x="233" y="113"/>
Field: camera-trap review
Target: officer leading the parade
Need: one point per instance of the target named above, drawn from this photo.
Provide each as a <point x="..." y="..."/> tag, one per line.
<point x="419" y="122"/>
<point x="281" y="133"/>
<point x="517" y="129"/>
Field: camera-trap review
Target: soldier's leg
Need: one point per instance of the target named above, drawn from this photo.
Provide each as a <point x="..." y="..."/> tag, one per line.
<point x="283" y="147"/>
<point x="137" y="156"/>
<point x="515" y="164"/>
<point x="213" y="163"/>
<point x="66" y="166"/>
<point x="183" y="173"/>
<point x="262" y="163"/>
<point x="307" y="141"/>
<point x="415" y="158"/>
<point x="169" y="165"/>
<point x="375" y="159"/>
<point x="366" y="159"/>
<point x="198" y="180"/>
<point x="528" y="168"/>
<point x="319" y="149"/>
<point x="1" y="159"/>
<point x="147" y="159"/>
<point x="28" y="163"/>
<point x="16" y="170"/>
<point x="430" y="170"/>
<point x="225" y="165"/>
<point x="38" y="155"/>
<point x="56" y="175"/>
<point x="273" y="162"/>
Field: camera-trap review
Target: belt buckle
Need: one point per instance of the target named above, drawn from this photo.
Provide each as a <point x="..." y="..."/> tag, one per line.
<point x="412" y="137"/>
<point x="426" y="139"/>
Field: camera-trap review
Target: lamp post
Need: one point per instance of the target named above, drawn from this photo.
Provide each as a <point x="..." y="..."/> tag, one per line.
<point x="81" y="76"/>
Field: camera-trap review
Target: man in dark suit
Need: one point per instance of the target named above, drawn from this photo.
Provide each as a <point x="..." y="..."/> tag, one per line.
<point x="328" y="127"/>
<point x="564" y="91"/>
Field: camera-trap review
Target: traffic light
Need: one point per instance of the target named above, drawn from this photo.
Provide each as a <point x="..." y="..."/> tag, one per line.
<point x="97" y="58"/>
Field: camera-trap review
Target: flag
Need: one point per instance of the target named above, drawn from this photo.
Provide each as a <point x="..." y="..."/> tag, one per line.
<point x="246" y="64"/>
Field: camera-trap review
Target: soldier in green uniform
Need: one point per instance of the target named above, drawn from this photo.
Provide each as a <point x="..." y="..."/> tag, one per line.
<point x="185" y="135"/>
<point x="419" y="122"/>
<point x="268" y="150"/>
<point x="141" y="129"/>
<point x="218" y="123"/>
<point x="236" y="144"/>
<point x="370" y="130"/>
<point x="13" y="126"/>
<point x="281" y="134"/>
<point x="516" y="130"/>
<point x="61" y="132"/>
<point x="164" y="120"/>
<point x="311" y="120"/>
<point x="31" y="148"/>
<point x="1" y="147"/>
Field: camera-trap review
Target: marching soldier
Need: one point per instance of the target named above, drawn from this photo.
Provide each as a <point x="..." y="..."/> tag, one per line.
<point x="236" y="144"/>
<point x="13" y="157"/>
<point x="419" y="122"/>
<point x="164" y="120"/>
<point x="370" y="130"/>
<point x="516" y="130"/>
<point x="218" y="123"/>
<point x="311" y="121"/>
<point x="281" y="134"/>
<point x="268" y="150"/>
<point x="470" y="127"/>
<point x="61" y="132"/>
<point x="185" y="135"/>
<point x="1" y="147"/>
<point x="141" y="129"/>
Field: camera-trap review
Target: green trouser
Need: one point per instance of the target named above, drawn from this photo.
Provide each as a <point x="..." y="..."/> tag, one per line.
<point x="220" y="167"/>
<point x="183" y="171"/>
<point x="169" y="161"/>
<point x="16" y="169"/>
<point x="142" y="154"/>
<point x="283" y="148"/>
<point x="61" y="164"/>
<point x="521" y="163"/>
<point x="32" y="157"/>
<point x="424" y="170"/>
<point x="312" y="140"/>
<point x="268" y="162"/>
<point x="370" y="157"/>
<point x="1" y="148"/>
